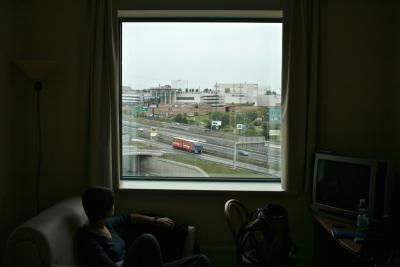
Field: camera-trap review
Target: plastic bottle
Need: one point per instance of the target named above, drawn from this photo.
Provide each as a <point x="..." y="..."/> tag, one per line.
<point x="362" y="217"/>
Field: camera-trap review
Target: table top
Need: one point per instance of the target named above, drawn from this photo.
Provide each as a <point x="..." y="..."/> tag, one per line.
<point x="346" y="243"/>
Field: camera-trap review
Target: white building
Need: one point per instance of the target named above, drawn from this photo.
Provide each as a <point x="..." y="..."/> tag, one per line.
<point x="131" y="98"/>
<point x="269" y="100"/>
<point x="130" y="95"/>
<point x="214" y="100"/>
<point x="238" y="93"/>
<point x="187" y="98"/>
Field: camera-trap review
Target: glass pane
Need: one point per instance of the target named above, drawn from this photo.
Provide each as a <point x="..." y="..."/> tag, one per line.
<point x="201" y="99"/>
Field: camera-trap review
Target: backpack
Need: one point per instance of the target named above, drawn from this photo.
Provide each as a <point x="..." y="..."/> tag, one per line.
<point x="264" y="241"/>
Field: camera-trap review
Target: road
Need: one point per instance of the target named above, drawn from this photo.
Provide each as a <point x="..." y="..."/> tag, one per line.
<point x="270" y="153"/>
<point x="165" y="132"/>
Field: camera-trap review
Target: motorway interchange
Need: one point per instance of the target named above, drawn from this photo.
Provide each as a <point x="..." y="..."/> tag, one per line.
<point x="262" y="158"/>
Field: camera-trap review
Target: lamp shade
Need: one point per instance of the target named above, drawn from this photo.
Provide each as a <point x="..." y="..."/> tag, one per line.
<point x="36" y="69"/>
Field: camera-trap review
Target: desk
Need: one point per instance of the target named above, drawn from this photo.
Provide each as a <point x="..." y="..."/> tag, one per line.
<point x="346" y="243"/>
<point x="330" y="251"/>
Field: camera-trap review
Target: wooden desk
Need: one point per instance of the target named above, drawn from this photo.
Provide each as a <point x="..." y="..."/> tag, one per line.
<point x="347" y="243"/>
<point x="327" y="253"/>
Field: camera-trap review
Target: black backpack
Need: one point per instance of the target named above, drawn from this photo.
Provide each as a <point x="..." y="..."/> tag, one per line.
<point x="264" y="241"/>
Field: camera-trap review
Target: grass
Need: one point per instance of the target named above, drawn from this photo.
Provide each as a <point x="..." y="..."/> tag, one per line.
<point x="138" y="144"/>
<point x="238" y="158"/>
<point x="214" y="169"/>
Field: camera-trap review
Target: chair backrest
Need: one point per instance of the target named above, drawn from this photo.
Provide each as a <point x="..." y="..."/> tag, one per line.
<point x="236" y="215"/>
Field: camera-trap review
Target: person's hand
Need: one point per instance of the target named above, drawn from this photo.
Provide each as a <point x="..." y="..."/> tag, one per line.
<point x="164" y="222"/>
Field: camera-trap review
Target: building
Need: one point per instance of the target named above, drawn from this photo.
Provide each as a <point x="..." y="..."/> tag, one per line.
<point x="214" y="100"/>
<point x="166" y="93"/>
<point x="238" y="93"/>
<point x="269" y="100"/>
<point x="187" y="98"/>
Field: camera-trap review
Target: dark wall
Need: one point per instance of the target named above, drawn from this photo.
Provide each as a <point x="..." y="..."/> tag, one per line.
<point x="200" y="5"/>
<point x="41" y="30"/>
<point x="357" y="96"/>
<point x="357" y="113"/>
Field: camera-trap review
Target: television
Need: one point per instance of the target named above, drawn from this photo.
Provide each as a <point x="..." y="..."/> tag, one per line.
<point x="340" y="182"/>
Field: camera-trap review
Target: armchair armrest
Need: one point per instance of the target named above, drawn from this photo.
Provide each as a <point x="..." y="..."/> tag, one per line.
<point x="189" y="241"/>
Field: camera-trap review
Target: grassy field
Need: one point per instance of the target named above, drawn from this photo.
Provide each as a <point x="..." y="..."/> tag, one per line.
<point x="214" y="169"/>
<point x="138" y="144"/>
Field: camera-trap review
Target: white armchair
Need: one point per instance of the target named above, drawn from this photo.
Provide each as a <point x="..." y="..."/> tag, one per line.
<point x="48" y="239"/>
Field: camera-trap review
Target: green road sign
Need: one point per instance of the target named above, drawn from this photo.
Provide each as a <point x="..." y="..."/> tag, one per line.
<point x="140" y="109"/>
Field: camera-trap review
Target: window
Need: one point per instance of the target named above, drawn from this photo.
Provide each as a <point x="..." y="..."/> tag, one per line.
<point x="178" y="120"/>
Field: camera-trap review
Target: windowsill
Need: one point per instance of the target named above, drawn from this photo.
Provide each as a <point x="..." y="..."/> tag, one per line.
<point x="202" y="186"/>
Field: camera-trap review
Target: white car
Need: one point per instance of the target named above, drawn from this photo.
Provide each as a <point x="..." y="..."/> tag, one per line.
<point x="243" y="153"/>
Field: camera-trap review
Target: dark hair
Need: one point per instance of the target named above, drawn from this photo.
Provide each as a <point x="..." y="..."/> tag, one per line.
<point x="97" y="202"/>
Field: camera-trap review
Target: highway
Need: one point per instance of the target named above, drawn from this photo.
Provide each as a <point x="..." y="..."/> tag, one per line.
<point x="270" y="153"/>
<point x="211" y="143"/>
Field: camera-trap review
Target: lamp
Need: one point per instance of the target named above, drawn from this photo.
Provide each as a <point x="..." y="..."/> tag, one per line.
<point x="37" y="70"/>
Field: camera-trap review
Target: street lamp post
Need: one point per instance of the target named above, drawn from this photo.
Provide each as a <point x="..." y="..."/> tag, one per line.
<point x="234" y="155"/>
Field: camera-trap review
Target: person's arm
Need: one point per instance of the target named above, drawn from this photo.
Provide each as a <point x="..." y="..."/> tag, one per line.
<point x="162" y="222"/>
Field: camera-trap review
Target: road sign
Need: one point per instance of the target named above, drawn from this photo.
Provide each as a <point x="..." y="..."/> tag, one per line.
<point x="216" y="123"/>
<point x="140" y="109"/>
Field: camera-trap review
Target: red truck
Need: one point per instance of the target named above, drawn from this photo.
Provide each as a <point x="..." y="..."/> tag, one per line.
<point x="187" y="145"/>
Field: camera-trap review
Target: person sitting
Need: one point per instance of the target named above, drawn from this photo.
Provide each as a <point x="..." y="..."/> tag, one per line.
<point x="100" y="245"/>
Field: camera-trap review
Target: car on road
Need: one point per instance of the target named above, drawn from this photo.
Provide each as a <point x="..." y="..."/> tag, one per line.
<point x="140" y="129"/>
<point x="243" y="153"/>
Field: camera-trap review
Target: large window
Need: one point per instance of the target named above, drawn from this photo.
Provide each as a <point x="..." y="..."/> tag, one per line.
<point x="201" y="99"/>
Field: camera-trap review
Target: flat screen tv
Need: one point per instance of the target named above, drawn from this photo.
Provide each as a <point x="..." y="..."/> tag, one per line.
<point x="340" y="182"/>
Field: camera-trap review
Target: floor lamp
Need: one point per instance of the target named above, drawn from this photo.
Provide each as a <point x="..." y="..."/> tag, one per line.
<point x="37" y="71"/>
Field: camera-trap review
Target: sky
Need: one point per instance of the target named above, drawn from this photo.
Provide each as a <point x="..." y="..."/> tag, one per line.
<point x="202" y="53"/>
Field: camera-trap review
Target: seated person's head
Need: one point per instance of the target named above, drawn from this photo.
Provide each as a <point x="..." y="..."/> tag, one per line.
<point x="98" y="203"/>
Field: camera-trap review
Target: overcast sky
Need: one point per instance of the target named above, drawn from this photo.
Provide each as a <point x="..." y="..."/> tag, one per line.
<point x="202" y="53"/>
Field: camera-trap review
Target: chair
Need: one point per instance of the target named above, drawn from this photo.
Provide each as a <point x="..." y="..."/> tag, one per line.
<point x="236" y="215"/>
<point x="48" y="239"/>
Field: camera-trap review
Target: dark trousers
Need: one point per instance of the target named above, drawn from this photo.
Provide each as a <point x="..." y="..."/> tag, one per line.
<point x="145" y="251"/>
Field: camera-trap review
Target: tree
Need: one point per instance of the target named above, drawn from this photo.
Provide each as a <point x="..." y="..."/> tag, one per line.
<point x="180" y="118"/>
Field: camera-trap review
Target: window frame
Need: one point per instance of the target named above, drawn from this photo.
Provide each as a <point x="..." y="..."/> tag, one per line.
<point x="270" y="16"/>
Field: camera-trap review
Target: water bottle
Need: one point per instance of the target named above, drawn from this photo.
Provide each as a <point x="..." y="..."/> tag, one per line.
<point x="362" y="217"/>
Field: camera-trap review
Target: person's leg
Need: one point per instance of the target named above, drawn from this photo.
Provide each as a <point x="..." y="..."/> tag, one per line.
<point x="144" y="252"/>
<point x="197" y="260"/>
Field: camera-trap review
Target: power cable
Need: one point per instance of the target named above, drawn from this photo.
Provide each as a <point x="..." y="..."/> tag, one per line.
<point x="38" y="87"/>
